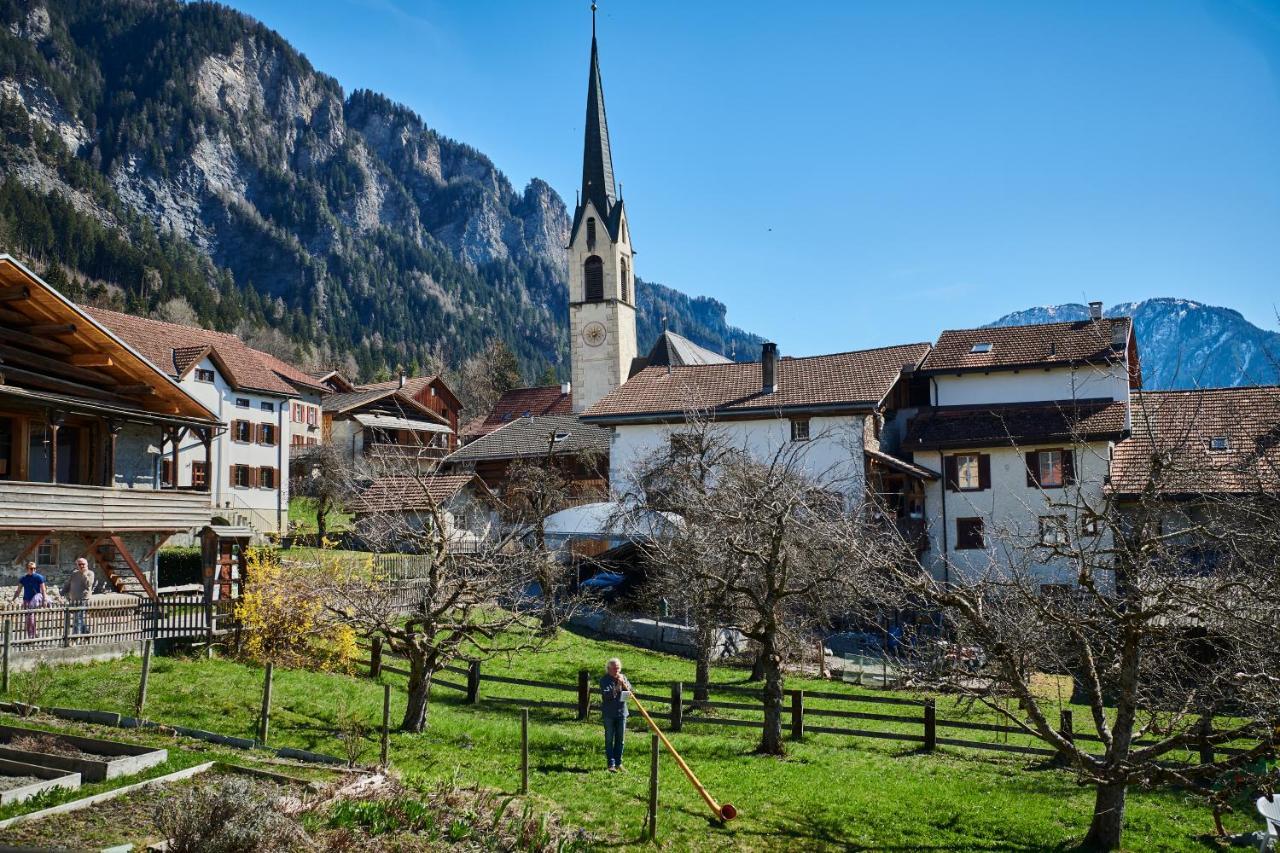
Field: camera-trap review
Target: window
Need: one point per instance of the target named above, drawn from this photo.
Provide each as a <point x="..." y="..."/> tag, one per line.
<point x="242" y="402"/>
<point x="241" y="431"/>
<point x="267" y="434"/>
<point x="968" y="472"/>
<point x="969" y="534"/>
<point x="1090" y="525"/>
<point x="312" y="414"/>
<point x="980" y="348"/>
<point x="241" y="476"/>
<point x="1219" y="442"/>
<point x="800" y="429"/>
<point x="47" y="553"/>
<point x="266" y="478"/>
<point x="625" y="284"/>
<point x="312" y="442"/>
<point x="267" y="406"/>
<point x="295" y="440"/>
<point x="593" y="279"/>
<point x="203" y="374"/>
<point x="199" y="476"/>
<point x="560" y="435"/>
<point x="297" y="413"/>
<point x="591" y="233"/>
<point x="1050" y="469"/>
<point x="1053" y="530"/>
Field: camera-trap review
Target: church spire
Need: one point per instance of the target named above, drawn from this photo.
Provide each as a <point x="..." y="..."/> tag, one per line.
<point x="597" y="159"/>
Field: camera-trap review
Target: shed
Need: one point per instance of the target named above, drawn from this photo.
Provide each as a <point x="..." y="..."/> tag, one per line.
<point x="223" y="548"/>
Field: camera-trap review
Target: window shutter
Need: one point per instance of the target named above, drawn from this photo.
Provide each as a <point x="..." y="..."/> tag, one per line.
<point x="231" y="476"/>
<point x="253" y="478"/>
<point x="951" y="473"/>
<point x="1068" y="467"/>
<point x="984" y="471"/>
<point x="1033" y="468"/>
<point x="593" y="279"/>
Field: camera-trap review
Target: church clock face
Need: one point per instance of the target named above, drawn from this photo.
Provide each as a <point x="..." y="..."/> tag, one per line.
<point x="594" y="334"/>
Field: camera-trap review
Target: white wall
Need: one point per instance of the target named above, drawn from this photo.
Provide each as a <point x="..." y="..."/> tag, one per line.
<point x="1033" y="385"/>
<point x="1010" y="510"/>
<point x="834" y="453"/>
<point x="267" y="508"/>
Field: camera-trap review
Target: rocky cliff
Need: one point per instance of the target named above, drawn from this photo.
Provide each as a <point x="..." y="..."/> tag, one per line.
<point x="212" y="170"/>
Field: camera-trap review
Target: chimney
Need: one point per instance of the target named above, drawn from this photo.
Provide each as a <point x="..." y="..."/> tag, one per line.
<point x="402" y="379"/>
<point x="566" y="389"/>
<point x="769" y="368"/>
<point x="1095" y="310"/>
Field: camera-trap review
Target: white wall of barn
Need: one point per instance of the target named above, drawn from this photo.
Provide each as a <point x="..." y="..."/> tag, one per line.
<point x="1010" y="510"/>
<point x="834" y="453"/>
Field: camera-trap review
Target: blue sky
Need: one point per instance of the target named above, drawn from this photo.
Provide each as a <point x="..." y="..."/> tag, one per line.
<point x="853" y="174"/>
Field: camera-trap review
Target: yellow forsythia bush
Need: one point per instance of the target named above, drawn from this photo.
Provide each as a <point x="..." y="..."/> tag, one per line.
<point x="283" y="619"/>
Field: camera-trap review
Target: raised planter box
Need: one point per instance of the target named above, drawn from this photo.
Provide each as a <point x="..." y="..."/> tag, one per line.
<point x="106" y="759"/>
<point x="49" y="778"/>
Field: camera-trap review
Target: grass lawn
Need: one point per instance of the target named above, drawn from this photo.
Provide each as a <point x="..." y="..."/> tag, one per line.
<point x="829" y="792"/>
<point x="302" y="512"/>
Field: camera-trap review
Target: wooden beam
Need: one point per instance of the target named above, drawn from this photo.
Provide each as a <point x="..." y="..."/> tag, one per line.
<point x="14" y="336"/>
<point x="133" y="564"/>
<point x="40" y="380"/>
<point x="32" y="546"/>
<point x="140" y="390"/>
<point x="13" y="317"/>
<point x="14" y="293"/>
<point x="16" y="355"/>
<point x="90" y="359"/>
<point x="51" y="329"/>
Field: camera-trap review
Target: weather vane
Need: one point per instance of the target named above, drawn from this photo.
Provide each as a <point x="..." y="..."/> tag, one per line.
<point x="593" y="20"/>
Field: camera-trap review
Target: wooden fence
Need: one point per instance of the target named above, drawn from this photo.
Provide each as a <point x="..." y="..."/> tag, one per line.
<point x="113" y="620"/>
<point x="895" y="718"/>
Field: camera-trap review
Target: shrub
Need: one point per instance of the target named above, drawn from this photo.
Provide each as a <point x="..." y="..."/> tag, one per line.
<point x="227" y="816"/>
<point x="179" y="566"/>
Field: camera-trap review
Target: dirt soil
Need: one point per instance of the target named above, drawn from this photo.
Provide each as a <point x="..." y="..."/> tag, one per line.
<point x="8" y="783"/>
<point x="125" y="819"/>
<point x="53" y="745"/>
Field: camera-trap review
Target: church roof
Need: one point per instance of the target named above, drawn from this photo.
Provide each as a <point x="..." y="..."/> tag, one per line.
<point x="598" y="185"/>
<point x="672" y="350"/>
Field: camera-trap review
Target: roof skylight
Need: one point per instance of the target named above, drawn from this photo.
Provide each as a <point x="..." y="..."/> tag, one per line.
<point x="984" y="347"/>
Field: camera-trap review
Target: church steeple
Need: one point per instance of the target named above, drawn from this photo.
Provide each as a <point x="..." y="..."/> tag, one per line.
<point x="597" y="159"/>
<point x="602" y="312"/>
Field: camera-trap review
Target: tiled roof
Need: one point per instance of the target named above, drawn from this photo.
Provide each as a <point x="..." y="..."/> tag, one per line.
<point x="164" y="344"/>
<point x="525" y="438"/>
<point x="908" y="468"/>
<point x="1178" y="427"/>
<point x="521" y="402"/>
<point x="1045" y="344"/>
<point x="817" y="382"/>
<point x="1031" y="423"/>
<point x="341" y="403"/>
<point x="412" y="384"/>
<point x="413" y="494"/>
<point x="295" y="377"/>
<point x="184" y="357"/>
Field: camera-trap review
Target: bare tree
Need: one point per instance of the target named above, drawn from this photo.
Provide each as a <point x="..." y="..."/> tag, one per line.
<point x="485" y="377"/>
<point x="323" y="473"/>
<point x="467" y="603"/>
<point x="780" y="546"/>
<point x="1157" y="594"/>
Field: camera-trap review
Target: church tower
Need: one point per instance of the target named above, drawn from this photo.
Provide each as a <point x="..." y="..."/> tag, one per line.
<point x="602" y="307"/>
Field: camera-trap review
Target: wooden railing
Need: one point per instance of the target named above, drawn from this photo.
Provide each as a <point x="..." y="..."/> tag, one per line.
<point x="403" y="451"/>
<point x="60" y="506"/>
<point x="113" y="620"/>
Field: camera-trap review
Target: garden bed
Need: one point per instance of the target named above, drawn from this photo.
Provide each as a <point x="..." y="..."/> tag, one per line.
<point x="94" y="759"/>
<point x="19" y="781"/>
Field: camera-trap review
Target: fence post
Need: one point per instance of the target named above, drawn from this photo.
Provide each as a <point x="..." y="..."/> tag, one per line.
<point x="142" y="683"/>
<point x="930" y="725"/>
<point x="524" y="750"/>
<point x="66" y="626"/>
<point x="208" y="622"/>
<point x="8" y="642"/>
<point x="584" y="693"/>
<point x="822" y="659"/>
<point x="473" y="682"/>
<point x="264" y="723"/>
<point x="1066" y="728"/>
<point x="375" y="658"/>
<point x="386" y="724"/>
<point x="1206" y="748"/>
<point x="652" y="824"/>
<point x="797" y="714"/>
<point x="677" y="706"/>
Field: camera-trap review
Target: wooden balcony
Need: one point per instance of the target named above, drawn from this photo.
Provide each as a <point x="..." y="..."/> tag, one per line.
<point x="406" y="452"/>
<point x="61" y="507"/>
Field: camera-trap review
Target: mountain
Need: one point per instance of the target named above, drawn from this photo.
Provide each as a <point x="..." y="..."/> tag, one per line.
<point x="182" y="160"/>
<point x="1183" y="344"/>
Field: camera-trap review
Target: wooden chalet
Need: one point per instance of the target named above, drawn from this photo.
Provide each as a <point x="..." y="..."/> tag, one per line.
<point x="84" y="421"/>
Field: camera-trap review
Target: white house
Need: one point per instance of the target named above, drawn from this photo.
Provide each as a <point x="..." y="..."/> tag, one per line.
<point x="837" y="406"/>
<point x="246" y="468"/>
<point x="1018" y="434"/>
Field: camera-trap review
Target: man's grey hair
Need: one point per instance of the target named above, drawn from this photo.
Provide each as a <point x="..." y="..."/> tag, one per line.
<point x="612" y="661"/>
<point x="80" y="560"/>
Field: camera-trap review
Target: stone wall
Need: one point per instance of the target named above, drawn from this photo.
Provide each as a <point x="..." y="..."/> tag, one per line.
<point x="670" y="637"/>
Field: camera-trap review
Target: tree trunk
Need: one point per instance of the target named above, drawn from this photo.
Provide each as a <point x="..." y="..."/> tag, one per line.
<point x="704" y="638"/>
<point x="759" y="665"/>
<point x="415" y="709"/>
<point x="1108" y="818"/>
<point x="771" y="741"/>
<point x="549" y="623"/>
<point x="322" y="510"/>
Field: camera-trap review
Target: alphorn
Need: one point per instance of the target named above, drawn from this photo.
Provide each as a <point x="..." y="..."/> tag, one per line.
<point x="723" y="811"/>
